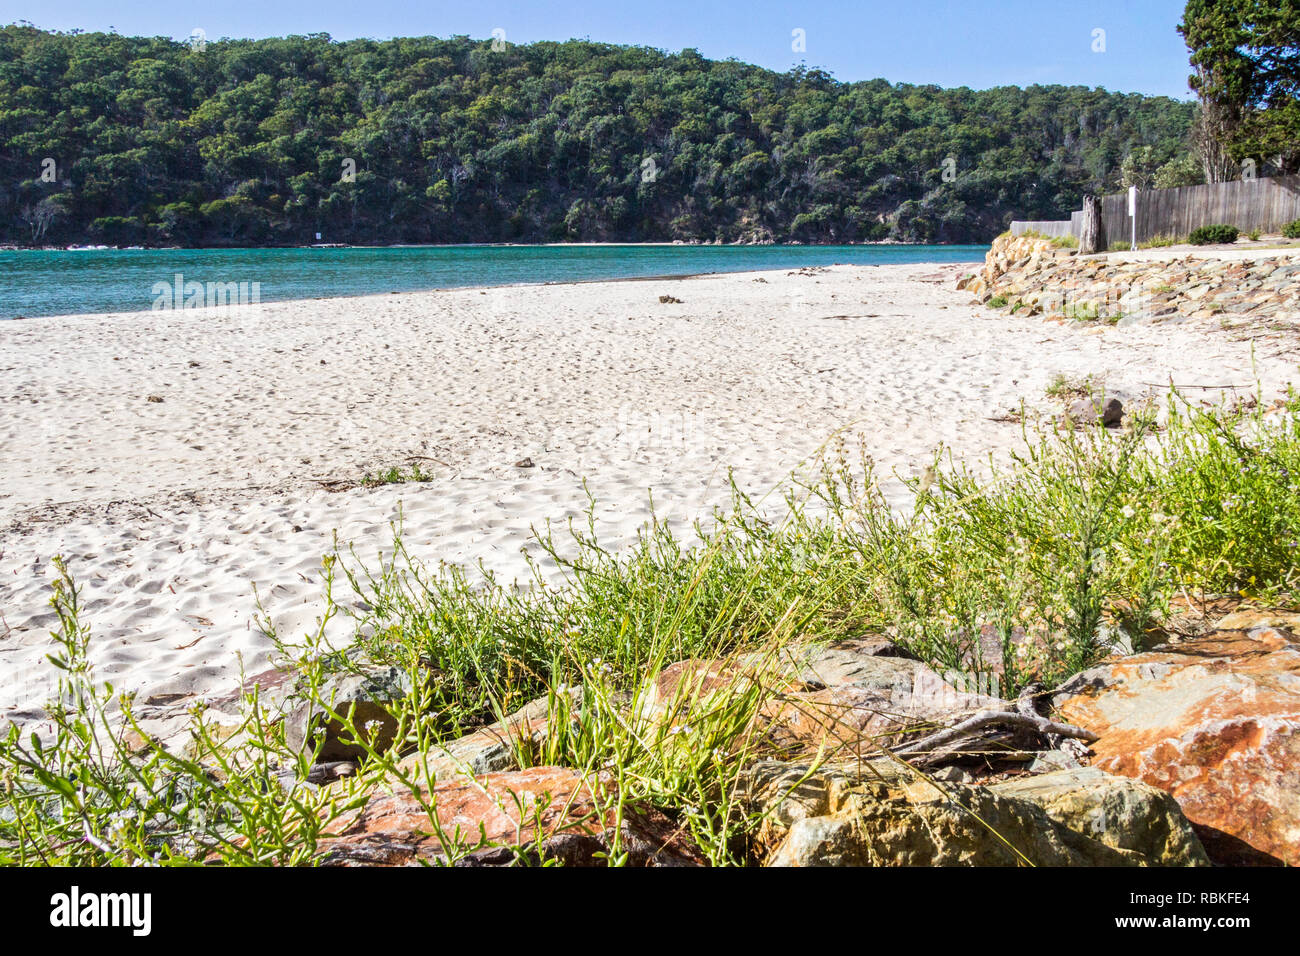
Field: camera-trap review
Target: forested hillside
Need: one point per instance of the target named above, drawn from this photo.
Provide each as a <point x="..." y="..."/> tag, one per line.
<point x="125" y="140"/>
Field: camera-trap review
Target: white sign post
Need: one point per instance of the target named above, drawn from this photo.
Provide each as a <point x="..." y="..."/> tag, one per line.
<point x="1133" y="215"/>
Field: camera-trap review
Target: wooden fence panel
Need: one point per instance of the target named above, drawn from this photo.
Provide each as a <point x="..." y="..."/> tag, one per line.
<point x="1048" y="227"/>
<point x="1263" y="204"/>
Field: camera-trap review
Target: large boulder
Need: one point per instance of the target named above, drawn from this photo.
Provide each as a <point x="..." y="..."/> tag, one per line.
<point x="884" y="814"/>
<point x="1118" y="811"/>
<point x="1213" y="721"/>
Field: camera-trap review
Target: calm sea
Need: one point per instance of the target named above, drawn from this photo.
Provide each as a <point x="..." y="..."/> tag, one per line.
<point x="133" y="280"/>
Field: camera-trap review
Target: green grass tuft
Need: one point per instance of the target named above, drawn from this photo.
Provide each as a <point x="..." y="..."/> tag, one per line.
<point x="395" y="476"/>
<point x="1066" y="552"/>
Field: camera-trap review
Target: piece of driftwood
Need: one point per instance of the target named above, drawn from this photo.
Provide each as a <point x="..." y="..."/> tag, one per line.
<point x="1027" y="702"/>
<point x="972" y="735"/>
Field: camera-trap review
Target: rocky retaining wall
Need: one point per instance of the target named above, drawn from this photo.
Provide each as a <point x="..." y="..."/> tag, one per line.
<point x="1024" y="273"/>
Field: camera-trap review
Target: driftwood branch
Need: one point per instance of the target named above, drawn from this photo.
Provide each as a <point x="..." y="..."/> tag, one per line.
<point x="993" y="718"/>
<point x="1027" y="702"/>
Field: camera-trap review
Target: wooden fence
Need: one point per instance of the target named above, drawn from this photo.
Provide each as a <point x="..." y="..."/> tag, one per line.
<point x="1047" y="227"/>
<point x="1263" y="204"/>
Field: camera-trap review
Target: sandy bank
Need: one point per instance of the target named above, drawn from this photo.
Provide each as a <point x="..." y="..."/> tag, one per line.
<point x="170" y="511"/>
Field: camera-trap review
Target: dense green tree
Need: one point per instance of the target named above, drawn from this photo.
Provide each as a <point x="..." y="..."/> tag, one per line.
<point x="146" y="140"/>
<point x="1246" y="60"/>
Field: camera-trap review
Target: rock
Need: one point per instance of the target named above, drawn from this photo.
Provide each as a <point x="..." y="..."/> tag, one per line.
<point x="1029" y="270"/>
<point x="1212" y="720"/>
<point x="1117" y="811"/>
<point x="670" y="300"/>
<point x="887" y="815"/>
<point x="498" y="818"/>
<point x="1249" y="618"/>
<point x="274" y="687"/>
<point x="685" y="685"/>
<point x="154" y="399"/>
<point x="495" y="747"/>
<point x="372" y="689"/>
<point x="524" y="463"/>
<point x="1059" y="759"/>
<point x="1087" y="411"/>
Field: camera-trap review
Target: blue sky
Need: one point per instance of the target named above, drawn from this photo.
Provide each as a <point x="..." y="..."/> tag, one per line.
<point x="946" y="42"/>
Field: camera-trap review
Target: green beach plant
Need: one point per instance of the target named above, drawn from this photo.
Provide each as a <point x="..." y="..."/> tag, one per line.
<point x="395" y="476"/>
<point x="1213" y="235"/>
<point x="1026" y="570"/>
<point x="1065" y="386"/>
<point x="1160" y="241"/>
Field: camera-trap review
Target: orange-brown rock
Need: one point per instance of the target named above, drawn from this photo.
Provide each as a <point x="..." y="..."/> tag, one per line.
<point x="500" y="818"/>
<point x="1215" y="721"/>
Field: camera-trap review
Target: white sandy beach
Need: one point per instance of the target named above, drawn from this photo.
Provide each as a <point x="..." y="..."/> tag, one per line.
<point x="170" y="512"/>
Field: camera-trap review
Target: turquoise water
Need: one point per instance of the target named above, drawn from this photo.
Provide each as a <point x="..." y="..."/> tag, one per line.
<point x="132" y="280"/>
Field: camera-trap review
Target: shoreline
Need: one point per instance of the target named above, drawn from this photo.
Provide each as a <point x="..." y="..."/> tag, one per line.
<point x="489" y="245"/>
<point x="484" y="287"/>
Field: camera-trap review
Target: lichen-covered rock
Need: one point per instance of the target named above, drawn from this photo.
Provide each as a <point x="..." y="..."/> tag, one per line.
<point x="1214" y="721"/>
<point x="372" y="690"/>
<point x="886" y="815"/>
<point x="1118" y="811"/>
